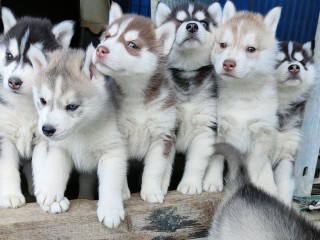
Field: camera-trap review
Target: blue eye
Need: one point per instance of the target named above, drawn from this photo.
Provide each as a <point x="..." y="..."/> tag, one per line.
<point x="72" y="107"/>
<point x="204" y="24"/>
<point x="133" y="45"/>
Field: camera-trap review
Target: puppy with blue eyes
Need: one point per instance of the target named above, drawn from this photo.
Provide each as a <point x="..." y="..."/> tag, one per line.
<point x="77" y="122"/>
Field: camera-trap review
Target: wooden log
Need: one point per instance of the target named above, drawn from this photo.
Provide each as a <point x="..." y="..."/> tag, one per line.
<point x="179" y="217"/>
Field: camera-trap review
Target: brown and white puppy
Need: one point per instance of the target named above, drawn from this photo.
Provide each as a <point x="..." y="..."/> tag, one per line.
<point x="132" y="51"/>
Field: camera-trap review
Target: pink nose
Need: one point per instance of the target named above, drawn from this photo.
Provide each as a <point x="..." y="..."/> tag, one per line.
<point x="229" y="65"/>
<point x="102" y="51"/>
<point x="294" y="69"/>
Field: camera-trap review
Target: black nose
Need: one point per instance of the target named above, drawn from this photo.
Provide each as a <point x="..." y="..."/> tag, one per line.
<point x="15" y="83"/>
<point x="48" y="130"/>
<point x="192" y="27"/>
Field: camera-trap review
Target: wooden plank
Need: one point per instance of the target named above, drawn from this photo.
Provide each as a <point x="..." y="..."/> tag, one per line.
<point x="310" y="143"/>
<point x="179" y="217"/>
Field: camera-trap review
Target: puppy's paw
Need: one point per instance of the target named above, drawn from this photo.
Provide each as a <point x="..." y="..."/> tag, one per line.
<point x="53" y="203"/>
<point x="212" y="187"/>
<point x="191" y="188"/>
<point x="12" y="201"/>
<point x="110" y="217"/>
<point x="152" y="196"/>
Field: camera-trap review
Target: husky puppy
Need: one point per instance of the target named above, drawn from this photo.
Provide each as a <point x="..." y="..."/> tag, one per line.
<point x="193" y="76"/>
<point x="248" y="212"/>
<point x="78" y="121"/>
<point x="244" y="59"/>
<point x="295" y="75"/>
<point x="133" y="53"/>
<point x="18" y="115"/>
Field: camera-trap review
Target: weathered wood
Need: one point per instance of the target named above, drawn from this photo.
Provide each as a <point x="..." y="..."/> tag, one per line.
<point x="179" y="217"/>
<point x="309" y="148"/>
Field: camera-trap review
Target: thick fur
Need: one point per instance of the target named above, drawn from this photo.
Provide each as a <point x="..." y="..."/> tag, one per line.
<point x="193" y="76"/>
<point x="295" y="75"/>
<point x="133" y="53"/>
<point x="244" y="59"/>
<point x="78" y="121"/>
<point x="18" y="115"/>
<point x="248" y="212"/>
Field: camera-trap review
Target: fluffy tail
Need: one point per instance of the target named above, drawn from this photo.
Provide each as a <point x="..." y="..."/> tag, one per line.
<point x="238" y="174"/>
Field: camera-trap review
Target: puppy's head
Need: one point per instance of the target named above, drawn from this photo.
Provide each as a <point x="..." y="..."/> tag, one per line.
<point x="195" y="28"/>
<point x="131" y="45"/>
<point x="295" y="66"/>
<point x="245" y="45"/>
<point x="68" y="91"/>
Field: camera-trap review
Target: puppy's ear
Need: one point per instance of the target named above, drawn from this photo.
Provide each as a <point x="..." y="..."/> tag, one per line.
<point x="166" y="35"/>
<point x="63" y="32"/>
<point x="37" y="58"/>
<point x="8" y="19"/>
<point x="115" y="12"/>
<point x="88" y="67"/>
<point x="161" y="13"/>
<point x="229" y="10"/>
<point x="309" y="48"/>
<point x="215" y="12"/>
<point x="272" y="18"/>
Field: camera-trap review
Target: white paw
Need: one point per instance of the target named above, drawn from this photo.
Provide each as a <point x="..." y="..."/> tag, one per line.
<point x="126" y="193"/>
<point x="213" y="187"/>
<point x="53" y="203"/>
<point x="12" y="201"/>
<point x="189" y="188"/>
<point x="110" y="217"/>
<point x="152" y="196"/>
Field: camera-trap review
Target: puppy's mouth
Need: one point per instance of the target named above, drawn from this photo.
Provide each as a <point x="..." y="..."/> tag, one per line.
<point x="191" y="39"/>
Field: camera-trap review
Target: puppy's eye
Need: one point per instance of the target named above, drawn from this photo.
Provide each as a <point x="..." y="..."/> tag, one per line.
<point x="179" y="21"/>
<point x="223" y="45"/>
<point x="251" y="49"/>
<point x="9" y="56"/>
<point x="72" y="107"/>
<point x="43" y="102"/>
<point x="133" y="45"/>
<point x="204" y="24"/>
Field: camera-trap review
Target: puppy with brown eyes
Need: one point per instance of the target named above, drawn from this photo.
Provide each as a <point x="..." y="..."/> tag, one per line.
<point x="133" y="52"/>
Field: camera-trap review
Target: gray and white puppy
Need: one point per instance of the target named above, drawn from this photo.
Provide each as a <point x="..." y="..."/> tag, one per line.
<point x="295" y="74"/>
<point x="193" y="77"/>
<point x="78" y="125"/>
<point x="248" y="212"/>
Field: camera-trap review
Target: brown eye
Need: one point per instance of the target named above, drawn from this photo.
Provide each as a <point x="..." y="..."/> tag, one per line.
<point x="251" y="49"/>
<point x="43" y="102"/>
<point x="223" y="45"/>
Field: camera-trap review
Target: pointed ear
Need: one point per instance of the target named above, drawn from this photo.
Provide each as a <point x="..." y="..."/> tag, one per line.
<point x="272" y="18"/>
<point x="63" y="32"/>
<point x="115" y="12"/>
<point x="229" y="10"/>
<point x="166" y="35"/>
<point x="8" y="19"/>
<point x="37" y="58"/>
<point x="161" y="13"/>
<point x="215" y="12"/>
<point x="309" y="48"/>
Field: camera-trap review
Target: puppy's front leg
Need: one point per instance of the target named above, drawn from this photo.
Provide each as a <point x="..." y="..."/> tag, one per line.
<point x="112" y="171"/>
<point x="51" y="170"/>
<point x="154" y="175"/>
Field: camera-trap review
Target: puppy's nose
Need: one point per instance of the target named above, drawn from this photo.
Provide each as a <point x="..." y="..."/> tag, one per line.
<point x="294" y="69"/>
<point x="192" y="27"/>
<point x="102" y="51"/>
<point x="48" y="130"/>
<point x="229" y="65"/>
<point x="15" y="83"/>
